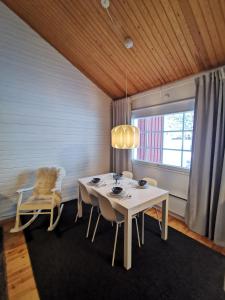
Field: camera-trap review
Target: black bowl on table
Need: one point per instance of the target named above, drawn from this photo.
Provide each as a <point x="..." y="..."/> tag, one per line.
<point x="95" y="180"/>
<point x="117" y="190"/>
<point x="142" y="182"/>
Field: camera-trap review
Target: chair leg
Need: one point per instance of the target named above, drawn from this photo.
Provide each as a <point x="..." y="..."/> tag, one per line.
<point x="17" y="224"/>
<point x="160" y="226"/>
<point x="96" y="226"/>
<point x="53" y="225"/>
<point x="76" y="217"/>
<point x="51" y="218"/>
<point x="143" y="228"/>
<point x="138" y="236"/>
<point x="89" y="222"/>
<point x="115" y="242"/>
<point x="78" y="210"/>
<point x="18" y="228"/>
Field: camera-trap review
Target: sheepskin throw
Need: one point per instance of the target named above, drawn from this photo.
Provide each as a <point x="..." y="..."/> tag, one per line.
<point x="46" y="180"/>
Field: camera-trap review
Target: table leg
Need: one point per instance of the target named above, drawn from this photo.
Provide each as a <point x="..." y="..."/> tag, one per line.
<point x="127" y="241"/>
<point x="79" y="204"/>
<point x="164" y="234"/>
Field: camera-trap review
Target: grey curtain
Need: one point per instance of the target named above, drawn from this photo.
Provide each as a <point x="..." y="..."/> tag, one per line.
<point x="121" y="114"/>
<point x="205" y="212"/>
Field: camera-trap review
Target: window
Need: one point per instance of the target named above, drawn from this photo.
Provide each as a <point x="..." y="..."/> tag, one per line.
<point x="166" y="139"/>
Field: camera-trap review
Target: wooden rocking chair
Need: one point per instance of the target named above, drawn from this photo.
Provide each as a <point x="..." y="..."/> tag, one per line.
<point x="45" y="197"/>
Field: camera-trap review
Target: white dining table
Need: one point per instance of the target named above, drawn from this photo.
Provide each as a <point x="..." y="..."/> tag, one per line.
<point x="133" y="201"/>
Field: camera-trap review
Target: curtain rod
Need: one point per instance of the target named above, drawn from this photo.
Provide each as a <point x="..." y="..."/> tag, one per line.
<point x="211" y="70"/>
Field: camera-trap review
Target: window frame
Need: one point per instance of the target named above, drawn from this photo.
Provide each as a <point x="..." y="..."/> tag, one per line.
<point x="179" y="169"/>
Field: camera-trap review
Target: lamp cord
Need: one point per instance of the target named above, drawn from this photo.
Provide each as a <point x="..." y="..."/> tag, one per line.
<point x="126" y="83"/>
<point x="109" y="15"/>
<point x="107" y="10"/>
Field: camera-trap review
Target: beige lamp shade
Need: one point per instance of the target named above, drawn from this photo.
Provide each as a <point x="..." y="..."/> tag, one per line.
<point x="125" y="137"/>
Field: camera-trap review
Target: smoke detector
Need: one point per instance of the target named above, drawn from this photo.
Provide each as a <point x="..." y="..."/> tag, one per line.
<point x="105" y="4"/>
<point x="128" y="43"/>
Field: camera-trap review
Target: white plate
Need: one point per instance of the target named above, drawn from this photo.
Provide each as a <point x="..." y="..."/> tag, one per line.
<point x="94" y="184"/>
<point x="142" y="187"/>
<point x="121" y="195"/>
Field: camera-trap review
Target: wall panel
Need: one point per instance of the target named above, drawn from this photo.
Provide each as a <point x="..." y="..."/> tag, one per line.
<point x="50" y="114"/>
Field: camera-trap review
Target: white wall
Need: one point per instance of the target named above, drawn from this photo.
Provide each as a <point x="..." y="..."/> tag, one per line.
<point x="49" y="113"/>
<point x="181" y="89"/>
<point x="176" y="182"/>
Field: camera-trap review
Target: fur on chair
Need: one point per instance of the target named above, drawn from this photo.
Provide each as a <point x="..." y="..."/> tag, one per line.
<point x="46" y="181"/>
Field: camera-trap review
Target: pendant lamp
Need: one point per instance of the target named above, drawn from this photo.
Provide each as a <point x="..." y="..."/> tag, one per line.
<point x="125" y="137"/>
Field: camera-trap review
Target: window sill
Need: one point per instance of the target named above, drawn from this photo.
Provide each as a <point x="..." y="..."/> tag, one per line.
<point x="159" y="166"/>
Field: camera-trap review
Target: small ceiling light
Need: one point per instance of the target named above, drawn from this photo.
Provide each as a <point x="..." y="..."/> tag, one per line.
<point x="128" y="43"/>
<point x="105" y="4"/>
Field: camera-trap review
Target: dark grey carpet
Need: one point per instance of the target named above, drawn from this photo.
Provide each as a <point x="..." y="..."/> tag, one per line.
<point x="3" y="295"/>
<point x="68" y="266"/>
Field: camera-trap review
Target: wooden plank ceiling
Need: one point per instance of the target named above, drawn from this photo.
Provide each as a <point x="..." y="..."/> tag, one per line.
<point x="172" y="38"/>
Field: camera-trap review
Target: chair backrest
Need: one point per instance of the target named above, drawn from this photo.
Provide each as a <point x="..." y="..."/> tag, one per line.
<point x="48" y="178"/>
<point x="85" y="196"/>
<point x="151" y="181"/>
<point x="128" y="174"/>
<point x="61" y="173"/>
<point x="107" y="211"/>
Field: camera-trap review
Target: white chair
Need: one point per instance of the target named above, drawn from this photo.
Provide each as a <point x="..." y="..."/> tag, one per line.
<point x="88" y="199"/>
<point x="152" y="182"/>
<point x="128" y="174"/>
<point x="111" y="215"/>
<point x="45" y="197"/>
